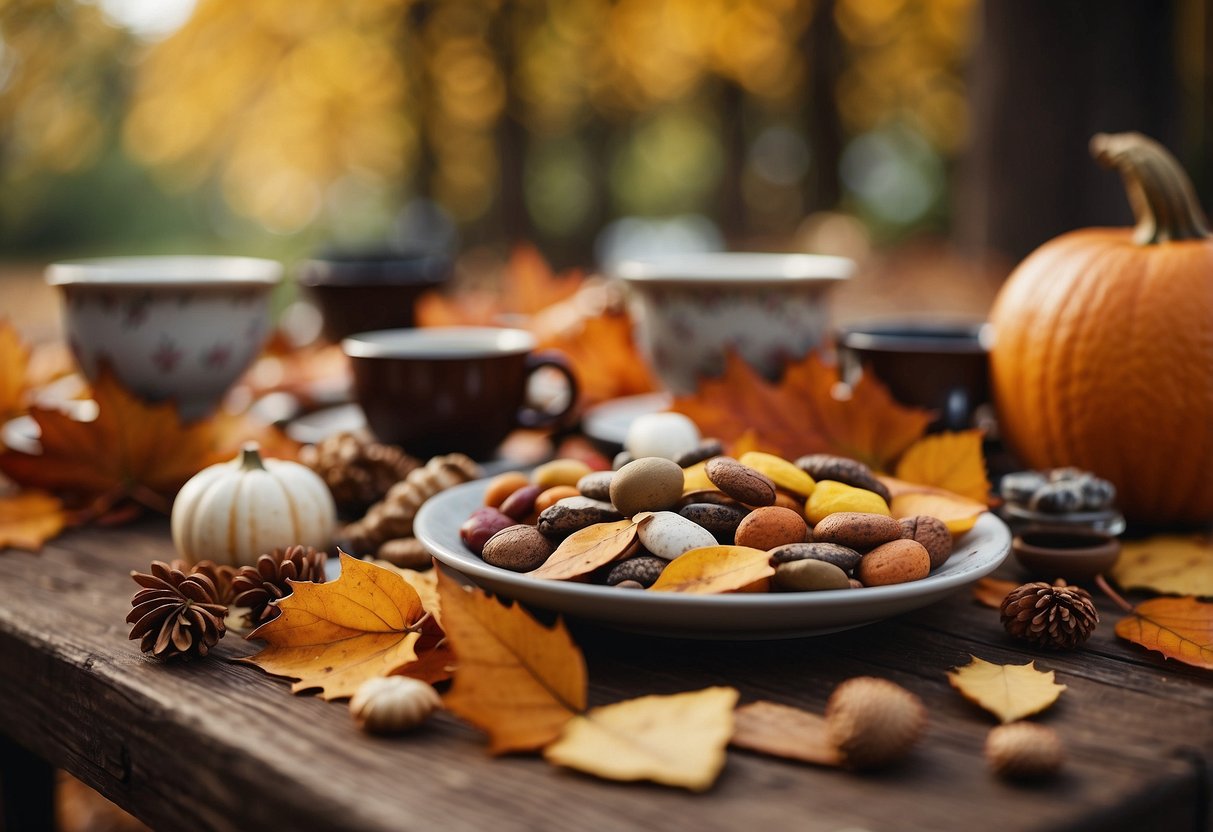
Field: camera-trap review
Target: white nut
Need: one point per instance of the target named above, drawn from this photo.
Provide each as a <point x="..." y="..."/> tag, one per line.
<point x="393" y="704"/>
<point x="668" y="535"/>
<point x="668" y="435"/>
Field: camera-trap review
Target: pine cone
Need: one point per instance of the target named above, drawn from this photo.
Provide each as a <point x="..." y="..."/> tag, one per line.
<point x="176" y="615"/>
<point x="358" y="470"/>
<point x="393" y="517"/>
<point x="1046" y="615"/>
<point x="221" y="576"/>
<point x="256" y="586"/>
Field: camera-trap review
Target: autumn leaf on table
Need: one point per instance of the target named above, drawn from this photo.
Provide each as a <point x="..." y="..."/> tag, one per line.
<point x="517" y="680"/>
<point x="711" y="570"/>
<point x="1009" y="691"/>
<point x="909" y="499"/>
<point x="435" y="660"/>
<point x="991" y="592"/>
<point x="604" y="357"/>
<point x="674" y="740"/>
<point x="587" y="549"/>
<point x="784" y="731"/>
<point x="30" y="518"/>
<point x="14" y="361"/>
<point x="336" y="635"/>
<point x="1170" y="564"/>
<point x="1179" y="628"/>
<point x="950" y="461"/>
<point x="809" y="411"/>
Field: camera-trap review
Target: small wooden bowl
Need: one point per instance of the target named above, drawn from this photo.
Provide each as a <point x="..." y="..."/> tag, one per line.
<point x="1072" y="554"/>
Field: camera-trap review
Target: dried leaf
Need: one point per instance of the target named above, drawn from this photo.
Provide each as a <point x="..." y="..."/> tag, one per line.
<point x="1009" y="691"/>
<point x="336" y="635"/>
<point x="1179" y="628"/>
<point x="674" y="740"/>
<point x="30" y="518"/>
<point x="910" y="500"/>
<point x="517" y="680"/>
<point x="584" y="551"/>
<point x="131" y="449"/>
<point x="783" y="731"/>
<point x="951" y="461"/>
<point x="1169" y="564"/>
<point x="714" y="569"/>
<point x="991" y="592"/>
<point x="14" y="363"/>
<point x="604" y="357"/>
<point x="809" y="411"/>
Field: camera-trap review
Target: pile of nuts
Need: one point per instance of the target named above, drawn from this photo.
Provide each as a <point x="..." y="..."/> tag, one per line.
<point x="824" y="520"/>
<point x="1058" y="491"/>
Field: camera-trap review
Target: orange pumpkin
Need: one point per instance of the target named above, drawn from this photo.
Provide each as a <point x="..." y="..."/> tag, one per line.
<point x="1103" y="356"/>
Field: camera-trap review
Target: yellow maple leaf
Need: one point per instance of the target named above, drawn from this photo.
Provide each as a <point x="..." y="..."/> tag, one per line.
<point x="808" y="411"/>
<point x="951" y="461"/>
<point x="674" y="740"/>
<point x="711" y="570"/>
<point x="1170" y="564"/>
<point x="1179" y="628"/>
<point x="1009" y="691"/>
<point x="30" y="518"/>
<point x="784" y="731"/>
<point x="336" y="635"/>
<point x="14" y="362"/>
<point x="517" y="680"/>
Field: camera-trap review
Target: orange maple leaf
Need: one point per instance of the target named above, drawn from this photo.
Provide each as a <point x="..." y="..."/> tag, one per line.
<point x="951" y="461"/>
<point x="604" y="358"/>
<point x="30" y="518"/>
<point x="1179" y="628"/>
<point x="518" y="680"/>
<point x="14" y="362"/>
<point x="131" y="450"/>
<point x="809" y="411"/>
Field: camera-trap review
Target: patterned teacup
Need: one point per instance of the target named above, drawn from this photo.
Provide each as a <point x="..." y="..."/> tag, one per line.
<point x="690" y="309"/>
<point x="182" y="328"/>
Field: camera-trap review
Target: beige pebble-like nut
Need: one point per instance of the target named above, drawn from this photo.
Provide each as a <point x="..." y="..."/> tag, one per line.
<point x="873" y="722"/>
<point x="596" y="485"/>
<point x="857" y="530"/>
<point x="741" y="482"/>
<point x="647" y="484"/>
<point x="1024" y="751"/>
<point x="502" y="486"/>
<point x="393" y="704"/>
<point x="830" y="497"/>
<point x="769" y="527"/>
<point x="809" y="575"/>
<point x="668" y="535"/>
<point x="932" y="533"/>
<point x="517" y="548"/>
<point x="559" y="472"/>
<point x="897" y="562"/>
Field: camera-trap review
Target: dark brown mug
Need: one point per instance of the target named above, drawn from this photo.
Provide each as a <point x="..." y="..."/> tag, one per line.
<point x="444" y="389"/>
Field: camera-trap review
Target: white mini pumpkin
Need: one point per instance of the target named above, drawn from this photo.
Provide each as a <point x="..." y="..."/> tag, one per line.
<point x="233" y="512"/>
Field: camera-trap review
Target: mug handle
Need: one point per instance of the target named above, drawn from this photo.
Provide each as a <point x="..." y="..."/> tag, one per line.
<point x="532" y="417"/>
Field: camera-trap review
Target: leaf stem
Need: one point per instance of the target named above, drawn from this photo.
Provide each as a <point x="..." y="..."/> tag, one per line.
<point x="1102" y="583"/>
<point x="416" y="626"/>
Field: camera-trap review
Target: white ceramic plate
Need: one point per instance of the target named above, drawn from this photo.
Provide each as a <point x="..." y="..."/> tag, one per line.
<point x="747" y="615"/>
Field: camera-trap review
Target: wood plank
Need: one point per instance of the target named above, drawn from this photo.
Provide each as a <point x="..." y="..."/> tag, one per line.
<point x="220" y="745"/>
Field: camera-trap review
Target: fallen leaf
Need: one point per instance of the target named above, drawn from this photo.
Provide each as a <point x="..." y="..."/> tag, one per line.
<point x="1169" y="564"/>
<point x="951" y="461"/>
<point x="425" y="583"/>
<point x="604" y="357"/>
<point x="783" y="731"/>
<point x="1009" y="691"/>
<point x="674" y="740"/>
<point x="132" y="449"/>
<point x="909" y="499"/>
<point x="584" y="551"/>
<point x="336" y="635"/>
<point x="1179" y="628"/>
<point x="14" y="362"/>
<point x="517" y="680"/>
<point x="809" y="411"/>
<point x="714" y="569"/>
<point x="991" y="592"/>
<point x="30" y="518"/>
<point x="435" y="660"/>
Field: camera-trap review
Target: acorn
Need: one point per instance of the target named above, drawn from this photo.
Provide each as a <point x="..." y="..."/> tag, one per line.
<point x="873" y="722"/>
<point x="1024" y="751"/>
<point x="393" y="704"/>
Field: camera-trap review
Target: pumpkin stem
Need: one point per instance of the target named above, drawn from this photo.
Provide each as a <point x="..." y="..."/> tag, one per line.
<point x="250" y="457"/>
<point x="1160" y="192"/>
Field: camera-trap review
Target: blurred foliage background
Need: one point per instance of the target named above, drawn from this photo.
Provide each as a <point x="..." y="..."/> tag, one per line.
<point x="277" y="125"/>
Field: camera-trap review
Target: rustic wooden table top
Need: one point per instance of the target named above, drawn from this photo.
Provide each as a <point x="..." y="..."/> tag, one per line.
<point x="219" y="745"/>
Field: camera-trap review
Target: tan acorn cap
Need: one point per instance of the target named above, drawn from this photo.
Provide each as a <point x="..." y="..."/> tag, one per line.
<point x="873" y="722"/>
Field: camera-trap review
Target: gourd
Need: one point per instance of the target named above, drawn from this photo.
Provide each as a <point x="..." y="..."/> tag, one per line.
<point x="233" y="512"/>
<point x="1103" y="356"/>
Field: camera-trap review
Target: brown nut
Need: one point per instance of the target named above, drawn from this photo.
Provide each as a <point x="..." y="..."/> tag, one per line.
<point x="502" y="486"/>
<point x="521" y="503"/>
<point x="722" y="521"/>
<point x="596" y="485"/>
<point x="706" y="449"/>
<point x="841" y="469"/>
<point x="405" y="552"/>
<point x="575" y="513"/>
<point x="483" y="524"/>
<point x="1024" y="751"/>
<point x="809" y="575"/>
<point x="643" y="569"/>
<point x="741" y="482"/>
<point x="932" y="533"/>
<point x="517" y="548"/>
<point x="873" y="722"/>
<point x="770" y="526"/>
<point x="842" y="557"/>
<point x="857" y="530"/>
<point x="897" y="562"/>
<point x="650" y="483"/>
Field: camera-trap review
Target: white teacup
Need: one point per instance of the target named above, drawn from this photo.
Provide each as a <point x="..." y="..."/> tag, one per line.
<point x="181" y="328"/>
<point x="689" y="309"/>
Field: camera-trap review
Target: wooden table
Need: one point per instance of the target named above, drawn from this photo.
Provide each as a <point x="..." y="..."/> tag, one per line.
<point x="217" y="745"/>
